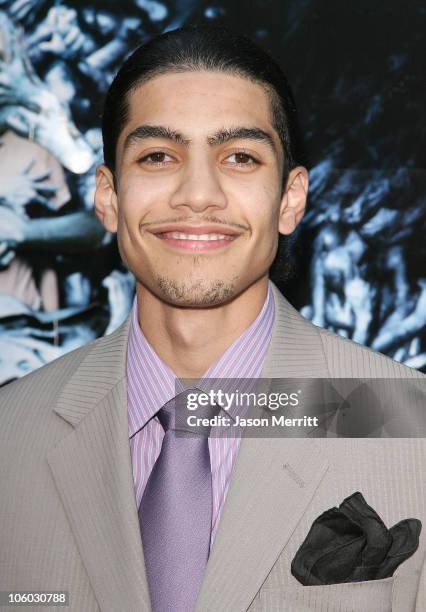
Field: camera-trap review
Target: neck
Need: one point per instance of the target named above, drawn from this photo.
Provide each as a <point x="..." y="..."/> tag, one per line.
<point x="189" y="340"/>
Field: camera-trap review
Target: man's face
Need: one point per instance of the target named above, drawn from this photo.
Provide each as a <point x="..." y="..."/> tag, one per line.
<point x="199" y="187"/>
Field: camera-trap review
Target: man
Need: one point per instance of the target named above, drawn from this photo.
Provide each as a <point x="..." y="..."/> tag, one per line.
<point x="200" y="176"/>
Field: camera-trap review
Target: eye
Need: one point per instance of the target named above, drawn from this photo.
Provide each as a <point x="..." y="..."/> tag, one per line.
<point x="240" y="158"/>
<point x="156" y="158"/>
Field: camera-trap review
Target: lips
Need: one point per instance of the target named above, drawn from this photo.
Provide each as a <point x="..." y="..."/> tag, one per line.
<point x="196" y="238"/>
<point x="184" y="236"/>
<point x="194" y="229"/>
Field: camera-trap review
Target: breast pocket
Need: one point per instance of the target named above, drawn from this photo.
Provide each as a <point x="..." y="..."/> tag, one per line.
<point x="369" y="596"/>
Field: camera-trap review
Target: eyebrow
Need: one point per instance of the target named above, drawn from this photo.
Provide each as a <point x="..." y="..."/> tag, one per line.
<point x="154" y="131"/>
<point x="220" y="137"/>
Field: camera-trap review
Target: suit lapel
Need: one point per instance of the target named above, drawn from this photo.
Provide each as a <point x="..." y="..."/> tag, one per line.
<point x="93" y="475"/>
<point x="273" y="480"/>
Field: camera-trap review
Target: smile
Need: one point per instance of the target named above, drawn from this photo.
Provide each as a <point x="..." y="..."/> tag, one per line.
<point x="183" y="236"/>
<point x="196" y="242"/>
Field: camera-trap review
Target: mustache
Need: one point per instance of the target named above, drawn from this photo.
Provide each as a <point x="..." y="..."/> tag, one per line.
<point x="203" y="219"/>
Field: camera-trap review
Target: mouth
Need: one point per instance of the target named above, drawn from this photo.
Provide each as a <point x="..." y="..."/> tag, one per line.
<point x="197" y="238"/>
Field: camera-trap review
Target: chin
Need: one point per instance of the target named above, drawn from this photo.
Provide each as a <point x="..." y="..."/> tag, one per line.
<point x="196" y="294"/>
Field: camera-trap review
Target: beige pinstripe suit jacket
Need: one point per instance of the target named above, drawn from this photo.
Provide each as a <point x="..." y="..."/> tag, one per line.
<point x="68" y="517"/>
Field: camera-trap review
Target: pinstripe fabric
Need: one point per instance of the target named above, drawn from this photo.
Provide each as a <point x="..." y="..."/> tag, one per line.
<point x="68" y="513"/>
<point x="151" y="383"/>
<point x="351" y="597"/>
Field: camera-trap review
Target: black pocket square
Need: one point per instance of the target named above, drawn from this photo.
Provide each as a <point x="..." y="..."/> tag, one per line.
<point x="351" y="544"/>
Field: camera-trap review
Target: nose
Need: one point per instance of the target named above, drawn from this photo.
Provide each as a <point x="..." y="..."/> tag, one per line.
<point x="199" y="187"/>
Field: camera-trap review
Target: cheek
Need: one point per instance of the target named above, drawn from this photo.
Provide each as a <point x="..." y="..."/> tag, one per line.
<point x="264" y="220"/>
<point x="138" y="199"/>
<point x="263" y="209"/>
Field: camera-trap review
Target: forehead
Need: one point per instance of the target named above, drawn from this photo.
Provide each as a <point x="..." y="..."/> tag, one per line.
<point x="198" y="102"/>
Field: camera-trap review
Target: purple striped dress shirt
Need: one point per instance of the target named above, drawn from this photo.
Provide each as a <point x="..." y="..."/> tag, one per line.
<point x="151" y="383"/>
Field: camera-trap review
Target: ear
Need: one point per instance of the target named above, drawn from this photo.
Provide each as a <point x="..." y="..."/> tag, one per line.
<point x="106" y="198"/>
<point x="293" y="202"/>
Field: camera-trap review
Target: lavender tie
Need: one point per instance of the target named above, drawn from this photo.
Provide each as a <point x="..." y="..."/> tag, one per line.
<point x="175" y="513"/>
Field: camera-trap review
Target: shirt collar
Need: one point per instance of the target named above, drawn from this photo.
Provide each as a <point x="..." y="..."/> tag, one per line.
<point x="151" y="382"/>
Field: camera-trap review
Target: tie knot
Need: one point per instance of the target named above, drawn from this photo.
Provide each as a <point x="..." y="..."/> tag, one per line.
<point x="174" y="415"/>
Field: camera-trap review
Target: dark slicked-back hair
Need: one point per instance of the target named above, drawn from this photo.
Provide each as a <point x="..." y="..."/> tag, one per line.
<point x="196" y="48"/>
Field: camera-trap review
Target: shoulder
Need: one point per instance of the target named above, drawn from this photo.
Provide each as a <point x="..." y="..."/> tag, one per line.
<point x="41" y="387"/>
<point x="30" y="417"/>
<point x="346" y="358"/>
<point x="36" y="393"/>
<point x="330" y="353"/>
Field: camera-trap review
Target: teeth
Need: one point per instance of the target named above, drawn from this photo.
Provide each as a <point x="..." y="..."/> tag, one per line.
<point x="182" y="236"/>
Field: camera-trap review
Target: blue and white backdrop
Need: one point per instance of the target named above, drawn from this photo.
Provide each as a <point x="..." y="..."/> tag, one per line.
<point x="357" y="74"/>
